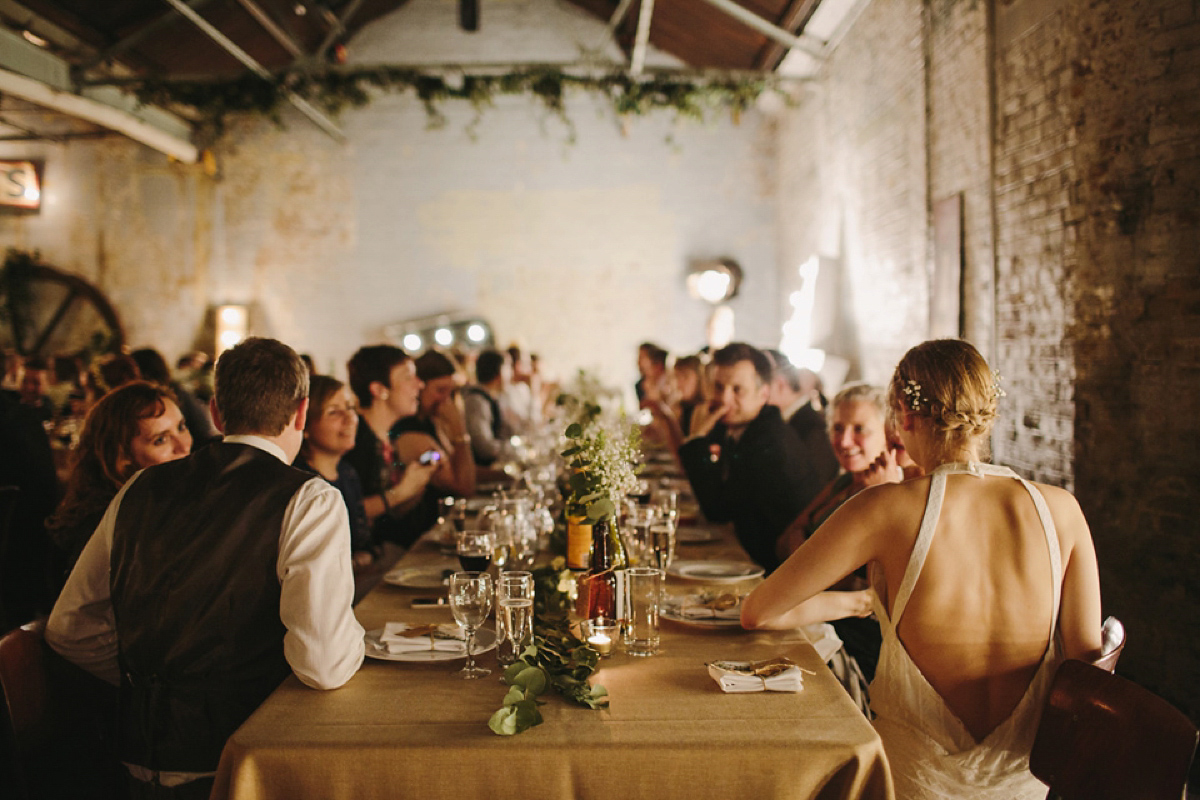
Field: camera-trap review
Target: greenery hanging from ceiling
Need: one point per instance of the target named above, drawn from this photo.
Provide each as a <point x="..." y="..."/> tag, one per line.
<point x="689" y="96"/>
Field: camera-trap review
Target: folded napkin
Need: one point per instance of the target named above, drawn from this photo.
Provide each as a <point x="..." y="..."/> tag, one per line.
<point x="401" y="637"/>
<point x="824" y="639"/>
<point x="775" y="675"/>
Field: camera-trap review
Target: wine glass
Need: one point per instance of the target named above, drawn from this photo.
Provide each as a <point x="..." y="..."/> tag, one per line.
<point x="470" y="601"/>
<point x="475" y="549"/>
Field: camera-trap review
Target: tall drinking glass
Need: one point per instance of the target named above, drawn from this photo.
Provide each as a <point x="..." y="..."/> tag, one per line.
<point x="514" y="617"/>
<point x="643" y="591"/>
<point x="471" y="596"/>
<point x="638" y="524"/>
<point x="662" y="545"/>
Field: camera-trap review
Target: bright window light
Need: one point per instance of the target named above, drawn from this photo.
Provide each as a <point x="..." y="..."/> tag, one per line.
<point x="412" y="342"/>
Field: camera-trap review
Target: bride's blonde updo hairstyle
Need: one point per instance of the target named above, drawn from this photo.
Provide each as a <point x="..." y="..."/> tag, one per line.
<point x="947" y="382"/>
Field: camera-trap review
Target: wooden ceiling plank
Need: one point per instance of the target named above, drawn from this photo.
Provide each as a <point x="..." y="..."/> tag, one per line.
<point x="794" y="20"/>
<point x="270" y="26"/>
<point x="139" y="35"/>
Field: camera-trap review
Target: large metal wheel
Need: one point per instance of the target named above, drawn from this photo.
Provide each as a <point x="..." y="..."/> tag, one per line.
<point x="46" y="312"/>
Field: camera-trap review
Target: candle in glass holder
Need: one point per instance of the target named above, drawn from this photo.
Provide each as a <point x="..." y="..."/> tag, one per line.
<point x="601" y="634"/>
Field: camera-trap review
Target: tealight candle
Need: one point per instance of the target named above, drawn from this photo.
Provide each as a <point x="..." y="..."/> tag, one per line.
<point x="601" y="634"/>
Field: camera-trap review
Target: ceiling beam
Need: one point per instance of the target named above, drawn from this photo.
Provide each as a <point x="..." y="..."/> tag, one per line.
<point x="798" y="13"/>
<point x="337" y="30"/>
<point x="150" y="28"/>
<point x="35" y="75"/>
<point x="640" y="41"/>
<point x="270" y="26"/>
<point x="806" y="44"/>
<point x="306" y="108"/>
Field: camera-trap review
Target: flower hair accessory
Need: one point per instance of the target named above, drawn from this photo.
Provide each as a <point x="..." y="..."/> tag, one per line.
<point x="912" y="390"/>
<point x="997" y="390"/>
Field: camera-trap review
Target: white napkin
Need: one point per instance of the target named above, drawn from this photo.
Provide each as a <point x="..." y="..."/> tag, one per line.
<point x="737" y="677"/>
<point x="824" y="639"/>
<point x="394" y="641"/>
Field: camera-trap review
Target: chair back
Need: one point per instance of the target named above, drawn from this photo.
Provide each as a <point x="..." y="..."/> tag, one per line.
<point x="1103" y="737"/>
<point x="1112" y="643"/>
<point x="58" y="723"/>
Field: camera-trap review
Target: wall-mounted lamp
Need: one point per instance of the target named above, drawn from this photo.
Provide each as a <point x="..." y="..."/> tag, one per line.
<point x="233" y="322"/>
<point x="714" y="281"/>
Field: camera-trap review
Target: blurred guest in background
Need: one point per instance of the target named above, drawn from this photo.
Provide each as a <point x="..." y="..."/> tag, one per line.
<point x="437" y="428"/>
<point x="384" y="379"/>
<point x="688" y="373"/>
<point x="798" y="411"/>
<point x="520" y="398"/>
<point x="116" y="369"/>
<point x="132" y="427"/>
<point x="652" y="367"/>
<point x="488" y="429"/>
<point x="14" y="368"/>
<point x="35" y="384"/>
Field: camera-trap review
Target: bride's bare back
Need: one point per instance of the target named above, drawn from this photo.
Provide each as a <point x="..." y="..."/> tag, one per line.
<point x="978" y="622"/>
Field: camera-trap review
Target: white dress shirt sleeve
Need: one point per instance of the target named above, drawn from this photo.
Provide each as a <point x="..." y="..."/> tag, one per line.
<point x="324" y="642"/>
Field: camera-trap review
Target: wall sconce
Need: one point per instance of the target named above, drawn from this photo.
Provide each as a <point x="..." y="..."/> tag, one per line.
<point x="232" y="326"/>
<point x="714" y="281"/>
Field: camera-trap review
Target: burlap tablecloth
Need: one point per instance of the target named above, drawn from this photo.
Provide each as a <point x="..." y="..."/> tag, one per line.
<point x="416" y="730"/>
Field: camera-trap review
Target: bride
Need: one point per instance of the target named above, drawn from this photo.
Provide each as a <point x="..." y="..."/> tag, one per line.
<point x="983" y="582"/>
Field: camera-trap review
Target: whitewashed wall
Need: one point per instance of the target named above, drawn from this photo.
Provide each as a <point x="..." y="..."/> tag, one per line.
<point x="578" y="250"/>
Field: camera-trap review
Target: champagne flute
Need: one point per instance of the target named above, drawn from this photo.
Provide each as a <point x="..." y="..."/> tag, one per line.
<point x="470" y="601"/>
<point x="475" y="550"/>
<point x="662" y="545"/>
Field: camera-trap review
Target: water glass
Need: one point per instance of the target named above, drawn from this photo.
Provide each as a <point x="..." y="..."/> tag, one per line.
<point x="643" y="590"/>
<point x="514" y="617"/>
<point x="662" y="545"/>
<point x="471" y="595"/>
<point x="666" y="502"/>
<point x="637" y="525"/>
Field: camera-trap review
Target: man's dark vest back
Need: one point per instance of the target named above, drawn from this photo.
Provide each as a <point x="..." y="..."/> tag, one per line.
<point x="196" y="600"/>
<point x="497" y="422"/>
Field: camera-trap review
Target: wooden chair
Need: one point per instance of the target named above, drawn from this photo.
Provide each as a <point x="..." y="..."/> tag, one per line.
<point x="59" y="724"/>
<point x="1103" y="737"/>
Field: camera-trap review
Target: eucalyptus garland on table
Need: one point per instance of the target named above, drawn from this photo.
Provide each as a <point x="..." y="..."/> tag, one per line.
<point x="690" y="96"/>
<point x="557" y="660"/>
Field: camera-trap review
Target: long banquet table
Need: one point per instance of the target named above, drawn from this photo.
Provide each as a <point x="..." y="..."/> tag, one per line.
<point x="416" y="730"/>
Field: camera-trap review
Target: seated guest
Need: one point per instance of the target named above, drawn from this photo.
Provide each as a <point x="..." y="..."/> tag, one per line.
<point x="520" y="399"/>
<point x="35" y="383"/>
<point x="652" y="369"/>
<point x="132" y="427"/>
<point x="329" y="433"/>
<point x="798" y="410"/>
<point x="744" y="463"/>
<point x="116" y="369"/>
<point x="689" y="390"/>
<point x="384" y="379"/>
<point x="983" y="583"/>
<point x="858" y="434"/>
<point x="438" y="426"/>
<point x="486" y="425"/>
<point x="154" y="368"/>
<point x="213" y="577"/>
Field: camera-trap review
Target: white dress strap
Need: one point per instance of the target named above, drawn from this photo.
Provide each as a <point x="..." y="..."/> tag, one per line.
<point x="1043" y="510"/>
<point x="916" y="561"/>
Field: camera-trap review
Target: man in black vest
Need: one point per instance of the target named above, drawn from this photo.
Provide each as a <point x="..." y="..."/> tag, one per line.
<point x="481" y="406"/>
<point x="210" y="578"/>
<point x="744" y="463"/>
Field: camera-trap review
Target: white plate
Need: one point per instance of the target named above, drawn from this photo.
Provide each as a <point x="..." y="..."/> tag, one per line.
<point x="420" y="577"/>
<point x="688" y="534"/>
<point x="715" y="571"/>
<point x="485" y="640"/>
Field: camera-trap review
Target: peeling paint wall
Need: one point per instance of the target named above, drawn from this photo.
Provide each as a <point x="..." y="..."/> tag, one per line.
<point x="578" y="250"/>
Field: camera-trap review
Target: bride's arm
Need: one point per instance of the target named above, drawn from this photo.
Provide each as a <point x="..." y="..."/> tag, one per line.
<point x="1079" y="616"/>
<point x="793" y="595"/>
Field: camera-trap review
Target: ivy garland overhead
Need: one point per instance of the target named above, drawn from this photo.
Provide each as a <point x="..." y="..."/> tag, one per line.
<point x="689" y="96"/>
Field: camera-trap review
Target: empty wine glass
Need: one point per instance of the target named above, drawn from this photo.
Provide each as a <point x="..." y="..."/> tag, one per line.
<point x="470" y="601"/>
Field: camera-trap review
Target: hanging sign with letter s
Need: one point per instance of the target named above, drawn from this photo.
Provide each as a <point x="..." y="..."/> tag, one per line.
<point x="20" y="185"/>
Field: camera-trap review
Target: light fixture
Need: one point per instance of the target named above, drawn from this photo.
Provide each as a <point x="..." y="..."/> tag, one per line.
<point x="476" y="333"/>
<point x="444" y="337"/>
<point x="232" y="326"/>
<point x="714" y="282"/>
<point x="413" y="342"/>
<point x="34" y="39"/>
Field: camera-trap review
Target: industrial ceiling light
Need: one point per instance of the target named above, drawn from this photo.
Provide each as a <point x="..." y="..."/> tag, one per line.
<point x="476" y="333"/>
<point x="714" y="281"/>
<point x="444" y="337"/>
<point x="413" y="342"/>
